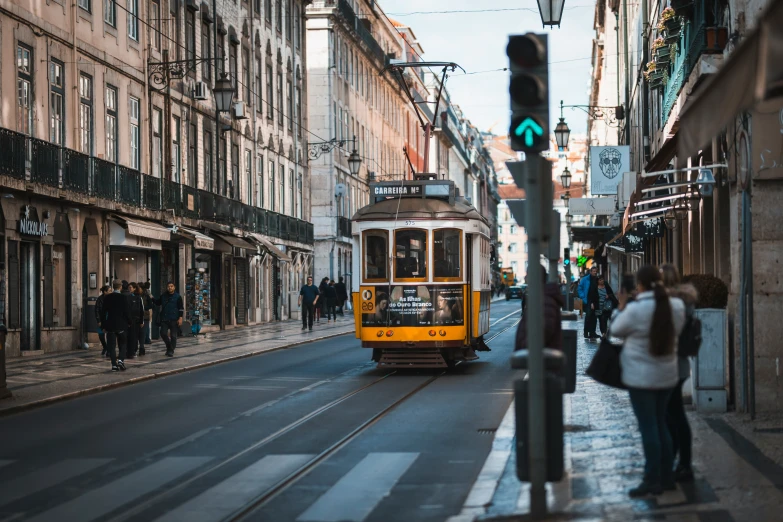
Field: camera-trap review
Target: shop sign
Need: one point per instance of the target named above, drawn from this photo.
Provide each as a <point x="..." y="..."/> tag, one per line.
<point x="607" y="165"/>
<point x="32" y="228"/>
<point x="119" y="237"/>
<point x="203" y="244"/>
<point x="592" y="206"/>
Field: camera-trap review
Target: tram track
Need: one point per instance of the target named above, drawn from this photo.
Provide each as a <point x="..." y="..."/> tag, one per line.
<point x="305" y="469"/>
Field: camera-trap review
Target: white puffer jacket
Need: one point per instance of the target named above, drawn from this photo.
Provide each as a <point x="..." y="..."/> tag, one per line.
<point x="641" y="369"/>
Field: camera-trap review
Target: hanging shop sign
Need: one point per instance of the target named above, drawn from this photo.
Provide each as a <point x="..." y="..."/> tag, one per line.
<point x="607" y="165"/>
<point x="633" y="243"/>
<point x="30" y="227"/>
<point x="592" y="206"/>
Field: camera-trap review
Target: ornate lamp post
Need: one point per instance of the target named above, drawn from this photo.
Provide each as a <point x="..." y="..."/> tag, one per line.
<point x="551" y="11"/>
<point x="224" y="93"/>
<point x="565" y="178"/>
<point x="562" y="132"/>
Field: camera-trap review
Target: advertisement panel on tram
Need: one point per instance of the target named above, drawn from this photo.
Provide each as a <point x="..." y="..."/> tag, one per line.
<point x="419" y="305"/>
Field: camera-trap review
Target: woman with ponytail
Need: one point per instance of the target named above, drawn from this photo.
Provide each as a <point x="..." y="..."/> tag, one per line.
<point x="650" y="326"/>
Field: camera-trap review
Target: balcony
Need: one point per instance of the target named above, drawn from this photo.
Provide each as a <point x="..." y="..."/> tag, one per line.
<point x="151" y="193"/>
<point x="348" y="14"/>
<point x="14" y="147"/>
<point x="104" y="183"/>
<point x="130" y="186"/>
<point x="190" y="202"/>
<point x="76" y="171"/>
<point x="44" y="163"/>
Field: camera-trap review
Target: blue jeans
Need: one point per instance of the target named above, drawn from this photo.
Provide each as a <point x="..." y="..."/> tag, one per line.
<point x="650" y="406"/>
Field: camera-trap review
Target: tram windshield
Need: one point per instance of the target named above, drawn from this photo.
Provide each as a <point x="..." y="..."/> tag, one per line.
<point x="410" y="261"/>
<point x="447" y="253"/>
<point x="376" y="257"/>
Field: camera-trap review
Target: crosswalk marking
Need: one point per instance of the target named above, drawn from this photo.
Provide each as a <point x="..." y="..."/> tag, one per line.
<point x="45" y="478"/>
<point x="357" y="493"/>
<point x="236" y="491"/>
<point x="103" y="500"/>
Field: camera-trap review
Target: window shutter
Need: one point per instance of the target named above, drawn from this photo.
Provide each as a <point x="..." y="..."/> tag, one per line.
<point x="48" y="290"/>
<point x="13" y="284"/>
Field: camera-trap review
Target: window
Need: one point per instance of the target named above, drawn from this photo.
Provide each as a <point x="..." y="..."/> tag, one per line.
<point x="246" y="76"/>
<point x="288" y="20"/>
<point x="207" y="160"/>
<point x="279" y="17"/>
<point x="111" y="124"/>
<point x="410" y="261"/>
<point x="206" y="53"/>
<point x="85" y="114"/>
<point x="177" y="43"/>
<point x="157" y="143"/>
<point x="85" y="4"/>
<point x="271" y="193"/>
<point x="298" y="111"/>
<point x="268" y="11"/>
<point x="133" y="19"/>
<point x="291" y="193"/>
<point x="260" y="182"/>
<point x="515" y="267"/>
<point x="223" y="159"/>
<point x="259" y="88"/>
<point x="135" y="136"/>
<point x="513" y="248"/>
<point x="500" y="230"/>
<point x="154" y="26"/>
<point x="290" y="96"/>
<point x="281" y="188"/>
<point x="57" y="103"/>
<point x="525" y="247"/>
<point x="297" y="26"/>
<point x="110" y="12"/>
<point x="513" y="229"/>
<point x="24" y="68"/>
<point x="61" y="284"/>
<point x="257" y="7"/>
<point x="249" y="176"/>
<point x="232" y="65"/>
<point x="376" y="258"/>
<point x="221" y="53"/>
<point x="280" y="96"/>
<point x="235" y="170"/>
<point x="192" y="137"/>
<point x="447" y="253"/>
<point x="176" y="161"/>
<point x="190" y="39"/>
<point x="299" y="207"/>
<point x="270" y="100"/>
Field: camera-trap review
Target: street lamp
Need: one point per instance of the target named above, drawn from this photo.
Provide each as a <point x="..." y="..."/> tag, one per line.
<point x="569" y="218"/>
<point x="680" y="209"/>
<point x="551" y="11"/>
<point x="224" y="93"/>
<point x="565" y="178"/>
<point x="565" y="197"/>
<point x="354" y="160"/>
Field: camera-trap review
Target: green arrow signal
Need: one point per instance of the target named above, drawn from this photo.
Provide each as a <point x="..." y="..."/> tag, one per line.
<point x="528" y="127"/>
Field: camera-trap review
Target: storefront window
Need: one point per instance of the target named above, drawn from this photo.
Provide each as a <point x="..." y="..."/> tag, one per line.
<point x="410" y="260"/>
<point x="129" y="266"/>
<point x="376" y="246"/>
<point x="447" y="253"/>
<point x="62" y="284"/>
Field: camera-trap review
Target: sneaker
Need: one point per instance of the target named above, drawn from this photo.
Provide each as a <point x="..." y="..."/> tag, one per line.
<point x="304" y="328"/>
<point x="142" y="352"/>
<point x="121" y="365"/>
<point x="311" y="328"/>
<point x="644" y="489"/>
<point x="115" y="368"/>
<point x="169" y="354"/>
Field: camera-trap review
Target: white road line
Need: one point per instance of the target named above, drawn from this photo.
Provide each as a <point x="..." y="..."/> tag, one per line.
<point x="125" y="490"/>
<point x="357" y="493"/>
<point x="238" y="387"/>
<point x="45" y="478"/>
<point x="237" y="491"/>
<point x="518" y="312"/>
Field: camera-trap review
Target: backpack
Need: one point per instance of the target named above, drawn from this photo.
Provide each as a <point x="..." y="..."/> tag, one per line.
<point x="690" y="337"/>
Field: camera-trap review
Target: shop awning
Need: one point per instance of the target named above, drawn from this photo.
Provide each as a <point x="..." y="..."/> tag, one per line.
<point x="752" y="74"/>
<point x="262" y="242"/>
<point x="138" y="227"/>
<point x="235" y="241"/>
<point x="200" y="241"/>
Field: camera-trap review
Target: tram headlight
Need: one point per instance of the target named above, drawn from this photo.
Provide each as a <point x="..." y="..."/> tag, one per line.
<point x="442" y="333"/>
<point x="389" y="333"/>
<point x="433" y="333"/>
<point x="380" y="333"/>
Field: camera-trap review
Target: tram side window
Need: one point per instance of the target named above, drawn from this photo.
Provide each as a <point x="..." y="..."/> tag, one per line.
<point x="411" y="254"/>
<point x="376" y="245"/>
<point x="447" y="253"/>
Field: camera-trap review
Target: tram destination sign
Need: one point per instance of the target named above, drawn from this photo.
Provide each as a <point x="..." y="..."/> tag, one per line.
<point x="412" y="189"/>
<point x="397" y="190"/>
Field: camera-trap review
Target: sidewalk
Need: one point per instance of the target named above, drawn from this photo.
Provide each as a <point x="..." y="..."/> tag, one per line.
<point x="738" y="464"/>
<point x="39" y="380"/>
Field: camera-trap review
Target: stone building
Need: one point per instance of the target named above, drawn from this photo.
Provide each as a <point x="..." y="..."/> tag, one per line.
<point x="116" y="165"/>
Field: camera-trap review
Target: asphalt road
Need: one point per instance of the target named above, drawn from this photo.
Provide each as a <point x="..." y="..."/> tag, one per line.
<point x="312" y="433"/>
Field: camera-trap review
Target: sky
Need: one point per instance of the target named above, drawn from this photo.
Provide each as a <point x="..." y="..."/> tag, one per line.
<point x="477" y="41"/>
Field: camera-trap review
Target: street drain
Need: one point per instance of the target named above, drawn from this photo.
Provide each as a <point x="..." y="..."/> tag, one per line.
<point x="487" y="431"/>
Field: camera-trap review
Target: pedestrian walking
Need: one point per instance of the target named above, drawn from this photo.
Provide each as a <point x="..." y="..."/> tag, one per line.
<point x="587" y="285"/>
<point x="308" y="299"/>
<point x="149" y="304"/>
<point x="553" y="333"/>
<point x="650" y="326"/>
<point x="322" y="290"/>
<point x="116" y="320"/>
<point x="99" y="318"/>
<point x="331" y="301"/>
<point x="677" y="421"/>
<point x="342" y="295"/>
<point x="136" y="330"/>
<point x="170" y="317"/>
<point x="602" y="301"/>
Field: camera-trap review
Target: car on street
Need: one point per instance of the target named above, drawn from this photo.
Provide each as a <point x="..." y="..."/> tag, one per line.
<point x="516" y="292"/>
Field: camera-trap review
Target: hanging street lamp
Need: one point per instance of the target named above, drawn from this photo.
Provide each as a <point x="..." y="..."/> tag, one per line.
<point x="354" y="160"/>
<point x="565" y="178"/>
<point x="551" y="11"/>
<point x="562" y="132"/>
<point x="224" y="93"/>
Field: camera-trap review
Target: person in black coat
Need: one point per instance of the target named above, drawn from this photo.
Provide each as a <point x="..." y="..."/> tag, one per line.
<point x="105" y="290"/>
<point x="135" y="332"/>
<point x="331" y="300"/>
<point x="116" y="321"/>
<point x="323" y="301"/>
<point x="602" y="301"/>
<point x="342" y="295"/>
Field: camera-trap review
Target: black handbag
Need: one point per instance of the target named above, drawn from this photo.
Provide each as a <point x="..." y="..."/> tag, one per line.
<point x="605" y="366"/>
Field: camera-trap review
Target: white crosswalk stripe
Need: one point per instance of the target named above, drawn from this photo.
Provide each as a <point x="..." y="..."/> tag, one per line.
<point x="47" y="477"/>
<point x="105" y="499"/>
<point x="360" y="490"/>
<point x="236" y="491"/>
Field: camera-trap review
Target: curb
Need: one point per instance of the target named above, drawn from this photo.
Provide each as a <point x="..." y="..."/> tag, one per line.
<point x="105" y="387"/>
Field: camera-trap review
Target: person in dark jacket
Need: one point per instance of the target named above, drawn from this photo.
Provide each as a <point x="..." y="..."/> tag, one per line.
<point x="586" y="286"/>
<point x="135" y="332"/>
<point x="308" y="300"/>
<point x="342" y="295"/>
<point x="331" y="301"/>
<point x="149" y="304"/>
<point x="105" y="290"/>
<point x="171" y="312"/>
<point x="553" y="303"/>
<point x="324" y="302"/>
<point x="602" y="301"/>
<point x="116" y="320"/>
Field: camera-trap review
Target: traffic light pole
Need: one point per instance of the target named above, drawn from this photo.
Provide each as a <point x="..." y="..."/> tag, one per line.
<point x="535" y="177"/>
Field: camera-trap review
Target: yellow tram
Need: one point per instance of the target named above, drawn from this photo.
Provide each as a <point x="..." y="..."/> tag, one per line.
<point x="421" y="283"/>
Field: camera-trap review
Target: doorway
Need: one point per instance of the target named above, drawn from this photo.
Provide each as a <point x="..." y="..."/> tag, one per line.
<point x="29" y="295"/>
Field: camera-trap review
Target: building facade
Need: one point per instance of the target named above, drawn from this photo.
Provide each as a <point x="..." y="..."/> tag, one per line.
<point x="116" y="164"/>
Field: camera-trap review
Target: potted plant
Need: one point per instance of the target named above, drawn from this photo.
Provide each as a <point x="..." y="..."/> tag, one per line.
<point x="668" y="19"/>
<point x="709" y="368"/>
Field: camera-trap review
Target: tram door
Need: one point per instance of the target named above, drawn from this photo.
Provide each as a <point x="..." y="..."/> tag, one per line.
<point x="468" y="298"/>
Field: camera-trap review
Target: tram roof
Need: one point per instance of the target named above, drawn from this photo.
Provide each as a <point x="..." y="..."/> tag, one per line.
<point x="418" y="208"/>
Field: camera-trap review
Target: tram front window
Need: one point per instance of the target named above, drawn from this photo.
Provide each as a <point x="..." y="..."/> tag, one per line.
<point x="376" y="246"/>
<point x="447" y="253"/>
<point x="410" y="261"/>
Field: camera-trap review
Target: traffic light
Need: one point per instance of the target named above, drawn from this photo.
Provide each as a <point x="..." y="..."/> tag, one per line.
<point x="529" y="92"/>
<point x="566" y="256"/>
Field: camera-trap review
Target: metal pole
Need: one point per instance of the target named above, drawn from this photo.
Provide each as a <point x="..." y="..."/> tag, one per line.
<point x="534" y="180"/>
